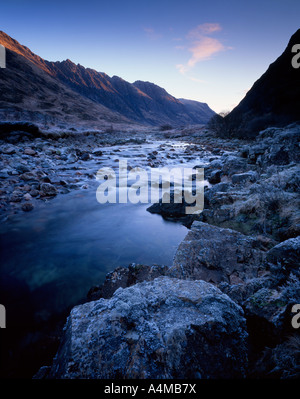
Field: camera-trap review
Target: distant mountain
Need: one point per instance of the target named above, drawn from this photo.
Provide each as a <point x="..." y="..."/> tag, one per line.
<point x="41" y="89"/>
<point x="28" y="93"/>
<point x="196" y="107"/>
<point x="274" y="99"/>
<point x="141" y="102"/>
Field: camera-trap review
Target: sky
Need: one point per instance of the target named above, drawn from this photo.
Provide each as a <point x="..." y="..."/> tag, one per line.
<point x="209" y="51"/>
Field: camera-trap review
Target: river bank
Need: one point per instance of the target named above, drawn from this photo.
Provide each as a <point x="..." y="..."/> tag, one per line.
<point x="245" y="244"/>
<point x="57" y="240"/>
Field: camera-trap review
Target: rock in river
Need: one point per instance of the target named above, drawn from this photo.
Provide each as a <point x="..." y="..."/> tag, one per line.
<point x="47" y="189"/>
<point x="27" y="207"/>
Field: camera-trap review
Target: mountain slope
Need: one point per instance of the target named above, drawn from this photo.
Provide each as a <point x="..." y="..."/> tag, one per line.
<point x="29" y="93"/>
<point x="178" y="111"/>
<point x="274" y="99"/>
<point x="140" y="102"/>
<point x="196" y="107"/>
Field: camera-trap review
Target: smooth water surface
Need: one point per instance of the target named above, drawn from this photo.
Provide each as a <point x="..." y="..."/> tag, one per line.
<point x="52" y="256"/>
<point x="70" y="245"/>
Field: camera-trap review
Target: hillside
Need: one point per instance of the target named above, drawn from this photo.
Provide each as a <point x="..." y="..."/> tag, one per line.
<point x="274" y="99"/>
<point x="37" y="89"/>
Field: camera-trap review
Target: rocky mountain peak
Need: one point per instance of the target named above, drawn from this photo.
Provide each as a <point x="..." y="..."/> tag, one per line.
<point x="140" y="102"/>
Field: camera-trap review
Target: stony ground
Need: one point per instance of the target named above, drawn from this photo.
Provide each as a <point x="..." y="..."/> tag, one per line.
<point x="245" y="242"/>
<point x="36" y="169"/>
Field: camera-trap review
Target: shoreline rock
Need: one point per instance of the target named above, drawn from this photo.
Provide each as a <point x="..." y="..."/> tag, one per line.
<point x="165" y="328"/>
<point x="216" y="254"/>
<point x="245" y="245"/>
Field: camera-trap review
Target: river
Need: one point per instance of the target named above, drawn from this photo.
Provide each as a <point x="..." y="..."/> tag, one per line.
<point x="53" y="255"/>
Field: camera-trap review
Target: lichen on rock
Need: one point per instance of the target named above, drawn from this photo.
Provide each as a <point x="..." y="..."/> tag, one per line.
<point x="165" y="328"/>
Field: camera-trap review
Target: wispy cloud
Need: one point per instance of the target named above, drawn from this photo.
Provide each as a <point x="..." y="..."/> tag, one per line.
<point x="183" y="69"/>
<point x="197" y="80"/>
<point x="201" y="46"/>
<point x="203" y="49"/>
<point x="179" y="47"/>
<point x="152" y="34"/>
<point x="204" y="29"/>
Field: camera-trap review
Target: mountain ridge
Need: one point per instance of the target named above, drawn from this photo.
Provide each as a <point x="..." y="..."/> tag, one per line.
<point x="274" y="99"/>
<point x="30" y="94"/>
<point x="139" y="103"/>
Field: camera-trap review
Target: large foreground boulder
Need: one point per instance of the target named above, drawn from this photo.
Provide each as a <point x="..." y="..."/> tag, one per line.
<point x="165" y="328"/>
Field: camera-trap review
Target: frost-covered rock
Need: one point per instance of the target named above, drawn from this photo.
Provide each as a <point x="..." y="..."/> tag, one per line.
<point x="47" y="189"/>
<point x="216" y="254"/>
<point x="165" y="328"/>
<point x="241" y="178"/>
<point x="286" y="255"/>
<point x="234" y="164"/>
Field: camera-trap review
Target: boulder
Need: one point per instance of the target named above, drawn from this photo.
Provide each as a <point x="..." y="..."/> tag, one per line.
<point x="125" y="277"/>
<point x="47" y="190"/>
<point x="165" y="328"/>
<point x="225" y="198"/>
<point x="280" y="363"/>
<point x="217" y="216"/>
<point x="282" y="145"/>
<point x="239" y="178"/>
<point x="292" y="179"/>
<point x="173" y="210"/>
<point x="215" y="254"/>
<point x="97" y="153"/>
<point x="233" y="164"/>
<point x="210" y="192"/>
<point x="83" y="155"/>
<point x="27" y="207"/>
<point x="278" y="155"/>
<point x="286" y="256"/>
<point x="8" y="150"/>
<point x="255" y="151"/>
<point x="29" y="177"/>
<point x="215" y="177"/>
<point x="27" y="197"/>
<point x="29" y="151"/>
<point x="21" y="168"/>
<point x="268" y="316"/>
<point x="16" y="196"/>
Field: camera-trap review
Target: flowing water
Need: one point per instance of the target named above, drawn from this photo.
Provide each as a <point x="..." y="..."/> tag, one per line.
<point x="53" y="255"/>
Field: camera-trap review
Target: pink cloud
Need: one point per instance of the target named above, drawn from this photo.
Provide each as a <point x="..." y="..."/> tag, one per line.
<point x="204" y="49"/>
<point x="182" y="68"/>
<point x="204" y="29"/>
<point x="202" y="46"/>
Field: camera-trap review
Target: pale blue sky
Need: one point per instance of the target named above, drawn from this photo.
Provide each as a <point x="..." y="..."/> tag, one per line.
<point x="206" y="51"/>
